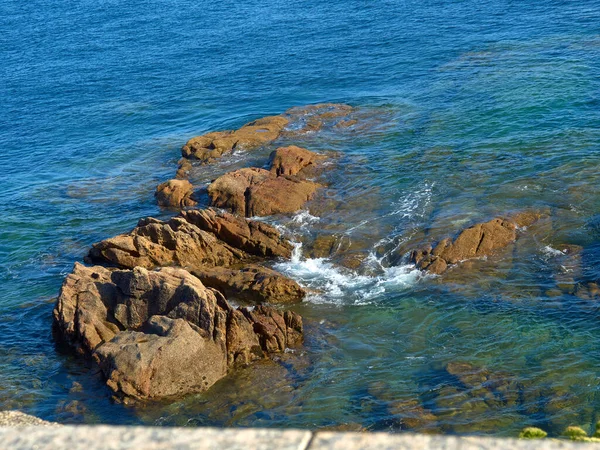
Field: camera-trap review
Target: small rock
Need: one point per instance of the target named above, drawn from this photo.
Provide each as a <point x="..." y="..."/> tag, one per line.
<point x="175" y="193"/>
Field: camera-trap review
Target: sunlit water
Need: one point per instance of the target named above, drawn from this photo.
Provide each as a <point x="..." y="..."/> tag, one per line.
<point x="484" y="108"/>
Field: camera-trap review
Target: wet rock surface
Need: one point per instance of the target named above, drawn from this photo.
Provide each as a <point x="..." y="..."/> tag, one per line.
<point x="163" y="333"/>
<point x="477" y="241"/>
<point x="291" y="160"/>
<point x="252" y="284"/>
<point x="258" y="192"/>
<point x="210" y="146"/>
<point x="175" y="193"/>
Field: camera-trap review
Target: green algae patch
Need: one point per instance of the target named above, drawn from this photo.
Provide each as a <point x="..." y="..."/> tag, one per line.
<point x="532" y="433"/>
<point x="575" y="433"/>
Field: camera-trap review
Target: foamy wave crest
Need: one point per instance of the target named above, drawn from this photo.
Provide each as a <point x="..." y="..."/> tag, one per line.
<point x="328" y="283"/>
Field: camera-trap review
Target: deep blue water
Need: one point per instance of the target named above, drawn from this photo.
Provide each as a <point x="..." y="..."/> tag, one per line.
<point x="492" y="106"/>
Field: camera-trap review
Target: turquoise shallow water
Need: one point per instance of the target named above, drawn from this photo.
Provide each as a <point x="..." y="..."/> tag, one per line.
<point x="487" y="107"/>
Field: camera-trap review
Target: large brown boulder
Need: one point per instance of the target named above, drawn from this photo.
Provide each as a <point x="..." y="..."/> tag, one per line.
<point x="252" y="284"/>
<point x="291" y="160"/>
<point x="154" y="243"/>
<point x="258" y="192"/>
<point x="163" y="333"/>
<point x="482" y="239"/>
<point x="175" y="193"/>
<point x="252" y="236"/>
<point x="255" y="134"/>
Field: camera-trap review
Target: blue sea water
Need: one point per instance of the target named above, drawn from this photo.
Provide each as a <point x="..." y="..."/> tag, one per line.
<point x="491" y="106"/>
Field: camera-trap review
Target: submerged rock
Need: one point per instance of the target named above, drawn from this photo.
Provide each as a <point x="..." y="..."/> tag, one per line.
<point x="213" y="145"/>
<point x="258" y="192"/>
<point x="480" y="240"/>
<point x="163" y="333"/>
<point x="175" y="193"/>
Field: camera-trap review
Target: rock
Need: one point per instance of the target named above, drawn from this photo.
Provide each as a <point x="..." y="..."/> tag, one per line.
<point x="480" y="240"/>
<point x="170" y="359"/>
<point x="255" y="134"/>
<point x="291" y="160"/>
<point x="313" y="118"/>
<point x="252" y="284"/>
<point x="163" y="333"/>
<point x="175" y="193"/>
<point x="154" y="243"/>
<point x="411" y="414"/>
<point x="532" y="433"/>
<point x="184" y="166"/>
<point x="258" y="192"/>
<point x="252" y="236"/>
<point x="20" y="419"/>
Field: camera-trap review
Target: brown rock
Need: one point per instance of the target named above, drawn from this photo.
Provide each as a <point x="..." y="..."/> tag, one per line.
<point x="258" y="192"/>
<point x="312" y="118"/>
<point x="291" y="160"/>
<point x="411" y="414"/>
<point x="252" y="135"/>
<point x="175" y="193"/>
<point x="251" y="236"/>
<point x="252" y="284"/>
<point x="163" y="333"/>
<point x="480" y="240"/>
<point x="154" y="243"/>
<point x="184" y="166"/>
<point x="170" y="359"/>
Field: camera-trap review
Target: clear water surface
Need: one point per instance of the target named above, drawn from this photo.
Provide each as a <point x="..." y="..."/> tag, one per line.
<point x="490" y="107"/>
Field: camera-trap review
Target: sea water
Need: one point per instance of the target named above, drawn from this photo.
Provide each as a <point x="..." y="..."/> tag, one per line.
<point x="486" y="107"/>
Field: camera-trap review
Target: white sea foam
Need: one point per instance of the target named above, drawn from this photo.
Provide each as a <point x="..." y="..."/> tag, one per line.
<point x="328" y="283"/>
<point x="550" y="251"/>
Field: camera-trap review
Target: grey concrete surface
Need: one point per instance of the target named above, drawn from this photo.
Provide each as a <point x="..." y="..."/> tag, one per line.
<point x="153" y="438"/>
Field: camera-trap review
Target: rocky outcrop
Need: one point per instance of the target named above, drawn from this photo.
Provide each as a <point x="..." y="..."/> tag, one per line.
<point x="175" y="193"/>
<point x="154" y="243"/>
<point x="251" y="236"/>
<point x="163" y="333"/>
<point x="291" y="160"/>
<point x="252" y="284"/>
<point x="207" y="242"/>
<point x="213" y="145"/>
<point x="482" y="239"/>
<point x="258" y="192"/>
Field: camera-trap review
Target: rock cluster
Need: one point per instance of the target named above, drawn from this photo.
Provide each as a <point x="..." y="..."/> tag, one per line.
<point x="154" y="314"/>
<point x="163" y="333"/>
<point x="259" y="192"/>
<point x="477" y="241"/>
<point x="210" y="146"/>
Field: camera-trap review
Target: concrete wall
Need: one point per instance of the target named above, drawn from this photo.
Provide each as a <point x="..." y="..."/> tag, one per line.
<point x="29" y="437"/>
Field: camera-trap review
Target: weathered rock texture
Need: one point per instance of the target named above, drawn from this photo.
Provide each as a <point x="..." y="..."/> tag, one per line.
<point x="258" y="192"/>
<point x="252" y="236"/>
<point x="252" y="284"/>
<point x="163" y="333"/>
<point x="213" y="145"/>
<point x="154" y="243"/>
<point x="482" y="239"/>
<point x="291" y="160"/>
<point x="175" y="193"/>
<point x="194" y="239"/>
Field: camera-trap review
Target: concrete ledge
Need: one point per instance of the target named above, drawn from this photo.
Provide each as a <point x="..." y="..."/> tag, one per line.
<point x="154" y="438"/>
